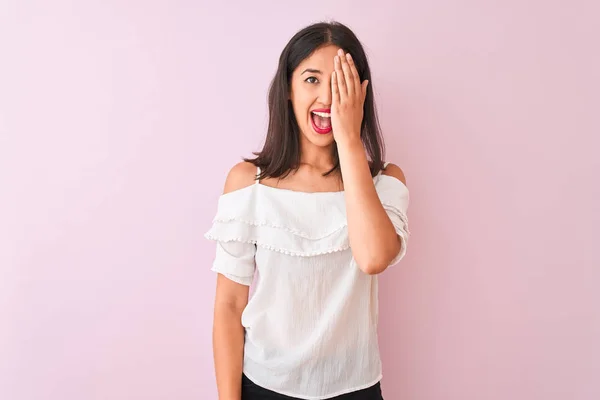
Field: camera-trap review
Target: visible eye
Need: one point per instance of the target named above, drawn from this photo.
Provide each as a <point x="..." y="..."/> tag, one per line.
<point x="309" y="78"/>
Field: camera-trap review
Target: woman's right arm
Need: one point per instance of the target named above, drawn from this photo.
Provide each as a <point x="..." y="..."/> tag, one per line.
<point x="228" y="337"/>
<point x="230" y="300"/>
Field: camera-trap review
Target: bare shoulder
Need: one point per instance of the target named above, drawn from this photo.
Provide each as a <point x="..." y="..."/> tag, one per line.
<point x="242" y="175"/>
<point x="395" y="171"/>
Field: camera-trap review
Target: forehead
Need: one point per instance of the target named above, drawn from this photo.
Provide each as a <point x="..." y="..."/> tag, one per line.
<point x="321" y="58"/>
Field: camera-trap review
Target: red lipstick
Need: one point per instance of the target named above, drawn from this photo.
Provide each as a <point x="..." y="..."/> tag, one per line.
<point x="321" y="131"/>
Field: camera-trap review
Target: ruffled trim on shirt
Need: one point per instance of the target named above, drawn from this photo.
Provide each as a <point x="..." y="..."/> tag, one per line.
<point x="296" y="223"/>
<point x="281" y="239"/>
<point x="294" y="231"/>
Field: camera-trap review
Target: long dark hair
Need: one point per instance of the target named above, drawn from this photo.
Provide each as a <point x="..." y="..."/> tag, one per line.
<point x="281" y="152"/>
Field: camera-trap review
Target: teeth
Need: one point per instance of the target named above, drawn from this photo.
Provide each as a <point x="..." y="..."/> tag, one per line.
<point x="322" y="114"/>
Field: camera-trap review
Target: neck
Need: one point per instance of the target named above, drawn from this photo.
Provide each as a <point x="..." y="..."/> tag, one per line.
<point x="316" y="156"/>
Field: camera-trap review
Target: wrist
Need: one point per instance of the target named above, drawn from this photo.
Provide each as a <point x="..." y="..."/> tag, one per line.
<point x="349" y="142"/>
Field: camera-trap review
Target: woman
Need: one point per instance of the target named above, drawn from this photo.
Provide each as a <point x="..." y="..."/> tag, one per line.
<point x="314" y="243"/>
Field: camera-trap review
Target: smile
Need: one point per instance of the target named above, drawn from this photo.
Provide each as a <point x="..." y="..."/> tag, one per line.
<point x="321" y="121"/>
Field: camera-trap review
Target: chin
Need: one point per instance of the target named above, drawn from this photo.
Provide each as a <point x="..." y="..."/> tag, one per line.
<point x="318" y="139"/>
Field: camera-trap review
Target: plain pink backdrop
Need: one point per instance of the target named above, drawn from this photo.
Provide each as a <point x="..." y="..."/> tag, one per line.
<point x="120" y="119"/>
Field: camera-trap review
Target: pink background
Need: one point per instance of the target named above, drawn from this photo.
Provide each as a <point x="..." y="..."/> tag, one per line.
<point x="120" y="119"/>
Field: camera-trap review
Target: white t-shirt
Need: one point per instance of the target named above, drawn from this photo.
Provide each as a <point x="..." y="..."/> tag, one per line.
<point x="311" y="322"/>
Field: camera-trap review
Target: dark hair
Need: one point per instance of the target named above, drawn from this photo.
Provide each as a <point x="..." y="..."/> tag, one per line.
<point x="281" y="151"/>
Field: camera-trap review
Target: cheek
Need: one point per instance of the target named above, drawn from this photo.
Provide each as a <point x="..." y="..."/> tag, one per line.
<point x="303" y="99"/>
<point x="302" y="105"/>
<point x="302" y="113"/>
<point x="302" y="95"/>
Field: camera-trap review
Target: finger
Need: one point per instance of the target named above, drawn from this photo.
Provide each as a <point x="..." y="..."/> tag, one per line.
<point x="348" y="78"/>
<point x="364" y="89"/>
<point x="355" y="76"/>
<point x="335" y="93"/>
<point x="339" y="74"/>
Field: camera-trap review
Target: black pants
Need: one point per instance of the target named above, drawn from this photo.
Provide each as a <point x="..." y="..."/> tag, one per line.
<point x="251" y="391"/>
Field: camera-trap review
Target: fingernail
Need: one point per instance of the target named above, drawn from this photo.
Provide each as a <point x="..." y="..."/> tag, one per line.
<point x="348" y="56"/>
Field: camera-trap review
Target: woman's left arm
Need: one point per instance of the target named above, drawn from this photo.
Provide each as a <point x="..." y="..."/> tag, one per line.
<point x="373" y="238"/>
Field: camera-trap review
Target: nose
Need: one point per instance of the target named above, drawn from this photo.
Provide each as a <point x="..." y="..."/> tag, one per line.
<point x="325" y="94"/>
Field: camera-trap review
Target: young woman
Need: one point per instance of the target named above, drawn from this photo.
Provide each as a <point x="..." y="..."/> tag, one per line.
<point x="312" y="243"/>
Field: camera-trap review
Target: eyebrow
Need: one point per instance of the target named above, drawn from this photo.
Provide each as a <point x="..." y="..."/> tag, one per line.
<point x="314" y="71"/>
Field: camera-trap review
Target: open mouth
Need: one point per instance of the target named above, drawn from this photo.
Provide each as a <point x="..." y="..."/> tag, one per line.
<point x="321" y="121"/>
